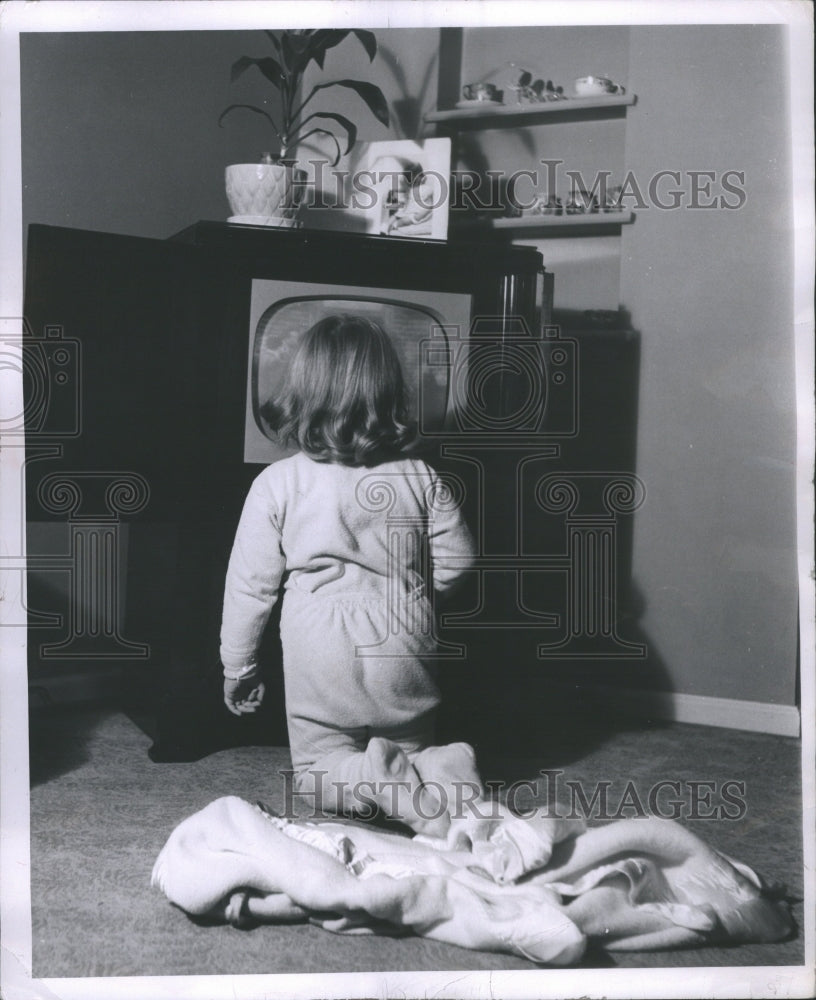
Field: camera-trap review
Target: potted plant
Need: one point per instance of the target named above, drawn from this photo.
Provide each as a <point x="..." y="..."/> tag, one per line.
<point x="269" y="190"/>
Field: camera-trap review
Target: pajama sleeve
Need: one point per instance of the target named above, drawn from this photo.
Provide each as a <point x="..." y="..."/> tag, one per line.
<point x="254" y="577"/>
<point x="451" y="543"/>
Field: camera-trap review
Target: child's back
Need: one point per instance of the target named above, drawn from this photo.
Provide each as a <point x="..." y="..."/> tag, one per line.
<point x="356" y="550"/>
<point x="356" y="534"/>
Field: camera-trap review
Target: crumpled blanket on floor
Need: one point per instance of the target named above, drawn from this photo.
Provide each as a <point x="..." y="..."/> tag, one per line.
<point x="536" y="887"/>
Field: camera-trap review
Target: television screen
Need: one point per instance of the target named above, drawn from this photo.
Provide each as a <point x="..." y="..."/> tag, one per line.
<point x="281" y="310"/>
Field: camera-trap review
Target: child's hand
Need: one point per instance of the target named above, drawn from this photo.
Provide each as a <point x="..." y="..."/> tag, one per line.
<point x="243" y="696"/>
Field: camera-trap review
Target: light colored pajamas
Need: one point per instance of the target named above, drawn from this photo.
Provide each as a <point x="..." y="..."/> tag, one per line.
<point x="355" y="550"/>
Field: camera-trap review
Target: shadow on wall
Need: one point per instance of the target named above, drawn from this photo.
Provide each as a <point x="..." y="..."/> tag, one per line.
<point x="409" y="108"/>
<point x="328" y="207"/>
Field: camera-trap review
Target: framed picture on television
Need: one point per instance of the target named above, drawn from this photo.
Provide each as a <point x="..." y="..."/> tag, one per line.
<point x="403" y="188"/>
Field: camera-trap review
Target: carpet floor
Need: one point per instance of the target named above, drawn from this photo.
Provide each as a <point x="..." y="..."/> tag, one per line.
<point x="101" y="811"/>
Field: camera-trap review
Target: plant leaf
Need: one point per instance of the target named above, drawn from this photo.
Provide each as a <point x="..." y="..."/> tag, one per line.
<point x="331" y="135"/>
<point x="274" y="39"/>
<point x="297" y="48"/>
<point x="372" y="96"/>
<point x="301" y="38"/>
<point x="368" y="40"/>
<point x="270" y="68"/>
<point x="290" y="55"/>
<point x="257" y="111"/>
<point x="349" y="127"/>
<point x="322" y="41"/>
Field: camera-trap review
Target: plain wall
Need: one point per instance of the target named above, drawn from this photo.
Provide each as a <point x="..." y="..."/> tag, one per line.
<point x="120" y="129"/>
<point x="710" y="291"/>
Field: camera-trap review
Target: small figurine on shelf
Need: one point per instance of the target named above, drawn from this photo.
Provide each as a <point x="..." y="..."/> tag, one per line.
<point x="487" y="93"/>
<point x="612" y="201"/>
<point x="530" y="91"/>
<point x="581" y="202"/>
<point x="544" y="205"/>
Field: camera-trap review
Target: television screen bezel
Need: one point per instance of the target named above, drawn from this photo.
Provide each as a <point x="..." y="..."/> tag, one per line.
<point x="449" y="316"/>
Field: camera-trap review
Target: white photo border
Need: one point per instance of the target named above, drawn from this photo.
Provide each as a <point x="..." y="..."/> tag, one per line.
<point x="15" y="963"/>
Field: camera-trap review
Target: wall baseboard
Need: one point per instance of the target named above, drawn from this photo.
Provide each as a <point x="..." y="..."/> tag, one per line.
<point x="694" y="709"/>
<point x="704" y="710"/>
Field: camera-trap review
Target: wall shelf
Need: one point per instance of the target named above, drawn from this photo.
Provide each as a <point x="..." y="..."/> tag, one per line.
<point x="508" y="115"/>
<point x="472" y="116"/>
<point x="588" y="224"/>
<point x="582" y="221"/>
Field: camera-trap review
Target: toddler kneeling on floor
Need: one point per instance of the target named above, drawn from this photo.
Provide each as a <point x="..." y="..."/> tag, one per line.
<point x="345" y="528"/>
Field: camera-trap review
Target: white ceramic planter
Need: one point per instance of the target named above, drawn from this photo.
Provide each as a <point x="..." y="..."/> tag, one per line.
<point x="263" y="193"/>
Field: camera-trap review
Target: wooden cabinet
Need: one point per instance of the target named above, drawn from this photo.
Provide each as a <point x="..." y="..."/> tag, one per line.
<point x="137" y="365"/>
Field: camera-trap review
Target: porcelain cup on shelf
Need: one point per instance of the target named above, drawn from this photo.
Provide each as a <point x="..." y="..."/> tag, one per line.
<point x="596" y="86"/>
<point x="482" y="92"/>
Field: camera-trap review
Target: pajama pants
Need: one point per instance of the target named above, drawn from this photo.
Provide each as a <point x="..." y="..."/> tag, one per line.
<point x="360" y="704"/>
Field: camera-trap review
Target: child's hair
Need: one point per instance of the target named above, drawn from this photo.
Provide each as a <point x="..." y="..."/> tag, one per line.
<point x="345" y="399"/>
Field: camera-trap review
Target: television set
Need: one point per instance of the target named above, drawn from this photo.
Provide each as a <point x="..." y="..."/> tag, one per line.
<point x="418" y="324"/>
<point x="180" y="342"/>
